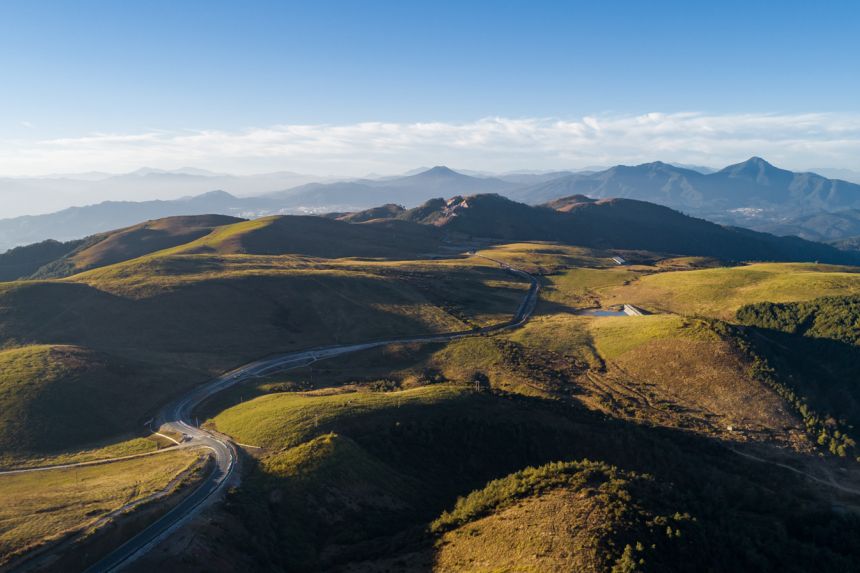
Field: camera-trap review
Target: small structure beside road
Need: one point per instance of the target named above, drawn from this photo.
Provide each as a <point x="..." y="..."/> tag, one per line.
<point x="620" y="261"/>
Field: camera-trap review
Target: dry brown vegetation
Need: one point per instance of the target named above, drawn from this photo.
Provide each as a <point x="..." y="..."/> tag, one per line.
<point x="708" y="381"/>
<point x="558" y="531"/>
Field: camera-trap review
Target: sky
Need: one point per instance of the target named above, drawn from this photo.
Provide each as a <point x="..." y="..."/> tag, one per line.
<point x="348" y="88"/>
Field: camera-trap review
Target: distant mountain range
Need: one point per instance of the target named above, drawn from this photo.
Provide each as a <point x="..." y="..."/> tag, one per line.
<point x="51" y="193"/>
<point x="609" y="224"/>
<point x="755" y="183"/>
<point x="843" y="174"/>
<point x="753" y="194"/>
<point x="35" y="196"/>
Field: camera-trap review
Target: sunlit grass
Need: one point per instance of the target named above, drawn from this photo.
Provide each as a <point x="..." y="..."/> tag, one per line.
<point x="42" y="504"/>
<point x="615" y="335"/>
<point x="720" y="292"/>
<point x="286" y="420"/>
<point x="538" y="257"/>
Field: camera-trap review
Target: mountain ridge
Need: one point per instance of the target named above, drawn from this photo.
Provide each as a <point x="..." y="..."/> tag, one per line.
<point x="754" y="182"/>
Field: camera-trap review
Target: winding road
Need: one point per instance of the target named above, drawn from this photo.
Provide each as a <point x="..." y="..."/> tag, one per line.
<point x="177" y="415"/>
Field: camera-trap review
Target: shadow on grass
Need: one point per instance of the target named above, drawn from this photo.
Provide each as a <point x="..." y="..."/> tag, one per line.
<point x="433" y="454"/>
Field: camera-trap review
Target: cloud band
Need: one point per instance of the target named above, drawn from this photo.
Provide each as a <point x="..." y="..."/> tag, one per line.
<point x="498" y="144"/>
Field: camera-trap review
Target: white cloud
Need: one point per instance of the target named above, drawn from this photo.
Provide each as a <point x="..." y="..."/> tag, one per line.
<point x="28" y="124"/>
<point x="499" y="144"/>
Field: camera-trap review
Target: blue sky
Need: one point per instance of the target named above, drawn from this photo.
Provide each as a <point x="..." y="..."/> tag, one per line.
<point x="80" y="72"/>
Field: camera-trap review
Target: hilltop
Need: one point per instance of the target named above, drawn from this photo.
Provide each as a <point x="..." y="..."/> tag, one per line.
<point x="132" y="242"/>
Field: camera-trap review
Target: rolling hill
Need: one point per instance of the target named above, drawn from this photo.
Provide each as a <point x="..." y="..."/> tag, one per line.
<point x="396" y="233"/>
<point x="621" y="224"/>
<point x="570" y="441"/>
<point x="153" y="309"/>
<point x="132" y="242"/>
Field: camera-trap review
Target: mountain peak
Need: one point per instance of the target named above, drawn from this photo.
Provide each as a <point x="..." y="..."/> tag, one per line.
<point x="217" y="195"/>
<point x="441" y="170"/>
<point x="758" y="170"/>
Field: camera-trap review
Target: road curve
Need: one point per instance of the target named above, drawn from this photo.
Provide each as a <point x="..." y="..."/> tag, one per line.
<point x="178" y="415"/>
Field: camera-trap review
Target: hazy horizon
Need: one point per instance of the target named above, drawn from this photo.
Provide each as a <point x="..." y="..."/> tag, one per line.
<point x="485" y="86"/>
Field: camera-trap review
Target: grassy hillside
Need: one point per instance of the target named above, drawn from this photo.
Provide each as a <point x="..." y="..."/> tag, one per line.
<point x="132" y="242"/>
<point x="208" y="234"/>
<point x="623" y="224"/>
<point x="545" y="258"/>
<point x="593" y="517"/>
<point x="720" y="292"/>
<point x="320" y="237"/>
<point x="285" y="420"/>
<point x="39" y="507"/>
<point x="357" y="469"/>
<point x="45" y="389"/>
<point x="120" y="340"/>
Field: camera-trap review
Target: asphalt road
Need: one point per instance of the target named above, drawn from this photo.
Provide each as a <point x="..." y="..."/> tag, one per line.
<point x="178" y="415"/>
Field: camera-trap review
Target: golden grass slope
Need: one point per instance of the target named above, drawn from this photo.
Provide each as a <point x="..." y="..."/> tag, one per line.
<point x="716" y="292"/>
<point x="542" y="258"/>
<point x="41" y="505"/>
<point x="720" y="292"/>
<point x="286" y="420"/>
<point x="319" y="237"/>
<point x="150" y="237"/>
<point x="559" y="530"/>
<point x="617" y="335"/>
<point x="667" y="369"/>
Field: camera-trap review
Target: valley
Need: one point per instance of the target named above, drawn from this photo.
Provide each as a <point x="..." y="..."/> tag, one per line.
<point x="418" y="391"/>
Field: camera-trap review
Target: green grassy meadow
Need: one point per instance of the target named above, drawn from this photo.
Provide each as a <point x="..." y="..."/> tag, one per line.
<point x="286" y="420"/>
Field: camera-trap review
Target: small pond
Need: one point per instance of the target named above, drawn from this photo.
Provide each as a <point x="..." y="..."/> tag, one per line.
<point x="600" y="312"/>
